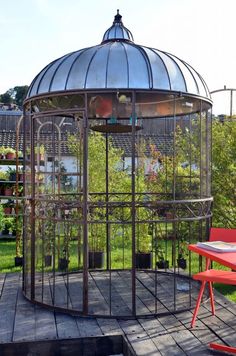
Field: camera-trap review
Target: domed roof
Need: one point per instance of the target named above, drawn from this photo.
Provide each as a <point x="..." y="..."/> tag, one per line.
<point x="118" y="63"/>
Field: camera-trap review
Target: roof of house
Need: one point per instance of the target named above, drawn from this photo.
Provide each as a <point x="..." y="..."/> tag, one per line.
<point x="163" y="143"/>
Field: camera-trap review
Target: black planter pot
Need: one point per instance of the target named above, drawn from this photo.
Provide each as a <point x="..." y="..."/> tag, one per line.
<point x="5" y="232"/>
<point x="143" y="260"/>
<point x="47" y="261"/>
<point x="182" y="263"/>
<point x="12" y="177"/>
<point x="18" y="261"/>
<point x="163" y="264"/>
<point x="63" y="264"/>
<point x="96" y="259"/>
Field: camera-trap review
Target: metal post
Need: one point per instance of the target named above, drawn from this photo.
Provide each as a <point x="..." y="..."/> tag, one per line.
<point x="32" y="217"/>
<point x="85" y="214"/>
<point x="133" y="210"/>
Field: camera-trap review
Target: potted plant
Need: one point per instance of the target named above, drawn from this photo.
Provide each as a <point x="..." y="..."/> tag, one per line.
<point x="48" y="242"/>
<point x="2" y="152"/>
<point x="96" y="254"/>
<point x="1" y="218"/>
<point x="12" y="173"/>
<point x="7" y="225"/>
<point x="20" y="174"/>
<point x="20" y="154"/>
<point x="10" y="153"/>
<point x="3" y="176"/>
<point x="8" y="189"/>
<point x="39" y="153"/>
<point x="19" y="231"/>
<point x="143" y="258"/>
<point x="20" y="191"/>
<point x="7" y="207"/>
<point x="64" y="256"/>
<point x="182" y="253"/>
<point x="162" y="262"/>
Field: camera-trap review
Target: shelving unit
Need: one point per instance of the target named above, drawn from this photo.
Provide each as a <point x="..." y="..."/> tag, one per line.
<point x="8" y="198"/>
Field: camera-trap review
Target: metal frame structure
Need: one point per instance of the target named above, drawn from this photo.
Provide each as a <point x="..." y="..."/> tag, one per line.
<point x="138" y="216"/>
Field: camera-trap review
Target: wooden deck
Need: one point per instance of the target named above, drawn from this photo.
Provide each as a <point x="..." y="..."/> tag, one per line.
<point x="167" y="335"/>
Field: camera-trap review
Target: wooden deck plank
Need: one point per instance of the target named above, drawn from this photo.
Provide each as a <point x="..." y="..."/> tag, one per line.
<point x="123" y="286"/>
<point x="75" y="288"/>
<point x="25" y="326"/>
<point x="111" y="294"/>
<point x="61" y="296"/>
<point x="45" y="324"/>
<point x="160" y="337"/>
<point x="88" y="327"/>
<point x="109" y="326"/>
<point x="167" y="335"/>
<point x="66" y="326"/>
<point x="8" y="306"/>
<point x="2" y="280"/>
<point x="143" y="345"/>
<point x="189" y="344"/>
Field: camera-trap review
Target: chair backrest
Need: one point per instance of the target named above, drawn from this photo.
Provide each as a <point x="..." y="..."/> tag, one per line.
<point x="221" y="234"/>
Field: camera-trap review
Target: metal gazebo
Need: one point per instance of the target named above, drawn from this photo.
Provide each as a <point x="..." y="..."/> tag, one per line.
<point x="117" y="141"/>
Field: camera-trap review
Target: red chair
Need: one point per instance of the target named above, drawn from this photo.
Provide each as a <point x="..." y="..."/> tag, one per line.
<point x="212" y="275"/>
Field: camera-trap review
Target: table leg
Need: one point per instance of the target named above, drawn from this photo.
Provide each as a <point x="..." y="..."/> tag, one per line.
<point x="222" y="347"/>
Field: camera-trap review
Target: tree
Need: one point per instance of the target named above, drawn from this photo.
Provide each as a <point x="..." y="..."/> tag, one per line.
<point x="20" y="94"/>
<point x="15" y="95"/>
<point x="6" y="98"/>
<point x="224" y="173"/>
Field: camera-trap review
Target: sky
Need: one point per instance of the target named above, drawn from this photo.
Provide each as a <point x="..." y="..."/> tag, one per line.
<point x="201" y="32"/>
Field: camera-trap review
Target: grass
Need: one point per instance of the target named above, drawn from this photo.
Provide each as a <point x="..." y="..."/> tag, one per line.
<point x="7" y="255"/>
<point x="7" y="263"/>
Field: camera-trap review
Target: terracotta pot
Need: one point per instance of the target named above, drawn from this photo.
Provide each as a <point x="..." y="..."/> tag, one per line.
<point x="7" y="210"/>
<point x="8" y="191"/>
<point x="10" y="155"/>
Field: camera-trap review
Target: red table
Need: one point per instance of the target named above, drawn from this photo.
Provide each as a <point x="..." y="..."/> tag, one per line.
<point x="227" y="259"/>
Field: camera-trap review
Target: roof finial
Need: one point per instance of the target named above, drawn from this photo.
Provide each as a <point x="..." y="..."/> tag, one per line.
<point x="118" y="17"/>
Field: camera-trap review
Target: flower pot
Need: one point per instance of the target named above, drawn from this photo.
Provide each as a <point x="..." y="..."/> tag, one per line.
<point x="163" y="264"/>
<point x="7" y="210"/>
<point x="8" y="191"/>
<point x="63" y="264"/>
<point x="18" y="261"/>
<point x="96" y="259"/>
<point x="48" y="260"/>
<point x="38" y="157"/>
<point x="10" y="155"/>
<point x="182" y="263"/>
<point x="12" y="177"/>
<point x="143" y="260"/>
<point x="5" y="231"/>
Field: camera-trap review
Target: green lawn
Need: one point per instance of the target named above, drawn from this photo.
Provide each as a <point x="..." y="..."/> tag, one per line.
<point x="7" y="263"/>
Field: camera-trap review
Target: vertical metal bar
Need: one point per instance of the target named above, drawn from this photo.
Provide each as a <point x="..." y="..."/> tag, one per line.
<point x="231" y="103"/>
<point x="201" y="149"/>
<point x="32" y="216"/>
<point x="85" y="211"/>
<point x="107" y="220"/>
<point x="107" y="200"/>
<point x="133" y="210"/>
<point x="23" y="218"/>
<point x="174" y="192"/>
